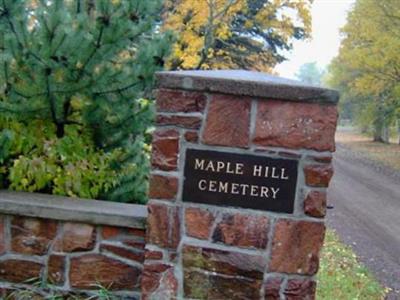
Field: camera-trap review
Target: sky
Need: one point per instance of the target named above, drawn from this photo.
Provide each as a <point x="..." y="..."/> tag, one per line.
<point x="328" y="16"/>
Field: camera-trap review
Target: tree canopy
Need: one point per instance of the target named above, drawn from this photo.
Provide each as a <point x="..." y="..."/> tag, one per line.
<point x="231" y="34"/>
<point x="310" y="73"/>
<point x="367" y="69"/>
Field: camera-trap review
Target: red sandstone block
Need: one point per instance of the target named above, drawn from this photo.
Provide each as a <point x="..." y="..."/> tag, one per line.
<point x="135" y="242"/>
<point x="136" y="232"/>
<point x="156" y="268"/>
<point x="300" y="289"/>
<point x="201" y="285"/>
<point x="31" y="235"/>
<point x="296" y="125"/>
<point x="191" y="136"/>
<point x="151" y="278"/>
<point x="132" y="237"/>
<point x="165" y="149"/>
<point x="175" y="228"/>
<point x="158" y="282"/>
<point x="315" y="204"/>
<point x="19" y="271"/>
<point x="118" y="233"/>
<point x="168" y="288"/>
<point x="228" y="121"/>
<point x="108" y="232"/>
<point x="180" y="101"/>
<point x="2" y="235"/>
<point x="223" y="262"/>
<point x="296" y="246"/>
<point x="158" y="226"/>
<point x="56" y="269"/>
<point x="76" y="237"/>
<point x="189" y="122"/>
<point x="163" y="226"/>
<point x="173" y="257"/>
<point x="198" y="222"/>
<point x="318" y="175"/>
<point x="163" y="187"/>
<point x="272" y="288"/>
<point x="135" y="255"/>
<point x="155" y="255"/>
<point x="241" y="230"/>
<point x="90" y="270"/>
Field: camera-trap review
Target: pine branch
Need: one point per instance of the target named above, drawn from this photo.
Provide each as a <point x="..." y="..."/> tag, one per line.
<point x="78" y="6"/>
<point x="13" y="30"/>
<point x="59" y="44"/>
<point x="52" y="92"/>
<point x="70" y="122"/>
<point x="21" y="94"/>
<point x="8" y="85"/>
<point x="11" y="24"/>
<point x="51" y="101"/>
<point x="95" y="49"/>
<point x="66" y="109"/>
<point x="15" y="111"/>
<point x="117" y="90"/>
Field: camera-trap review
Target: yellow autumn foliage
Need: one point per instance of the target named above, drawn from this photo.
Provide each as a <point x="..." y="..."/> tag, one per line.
<point x="366" y="71"/>
<point x="370" y="49"/>
<point x="226" y="34"/>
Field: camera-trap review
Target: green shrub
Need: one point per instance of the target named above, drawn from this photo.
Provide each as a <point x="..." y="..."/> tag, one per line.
<point x="73" y="77"/>
<point x="33" y="159"/>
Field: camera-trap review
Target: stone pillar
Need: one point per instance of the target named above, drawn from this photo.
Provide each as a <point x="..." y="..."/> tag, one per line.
<point x="240" y="166"/>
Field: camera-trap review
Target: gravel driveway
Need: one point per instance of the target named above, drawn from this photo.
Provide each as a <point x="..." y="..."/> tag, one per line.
<point x="366" y="214"/>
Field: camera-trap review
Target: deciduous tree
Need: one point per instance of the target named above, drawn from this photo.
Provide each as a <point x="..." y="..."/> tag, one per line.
<point x="367" y="69"/>
<point x="229" y="34"/>
<point x="310" y="73"/>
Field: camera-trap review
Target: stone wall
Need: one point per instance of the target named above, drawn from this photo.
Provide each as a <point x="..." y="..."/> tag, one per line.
<point x="201" y="251"/>
<point x="175" y="249"/>
<point x="57" y="244"/>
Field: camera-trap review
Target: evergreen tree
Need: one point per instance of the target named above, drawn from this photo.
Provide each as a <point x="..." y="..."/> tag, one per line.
<point x="85" y="63"/>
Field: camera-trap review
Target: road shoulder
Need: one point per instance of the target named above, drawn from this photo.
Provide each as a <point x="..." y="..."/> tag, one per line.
<point x="366" y="199"/>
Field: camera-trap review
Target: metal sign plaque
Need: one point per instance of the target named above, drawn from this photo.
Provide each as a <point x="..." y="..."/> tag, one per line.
<point x="240" y="180"/>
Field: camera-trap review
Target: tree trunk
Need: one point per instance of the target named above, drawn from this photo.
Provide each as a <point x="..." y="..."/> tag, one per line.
<point x="398" y="129"/>
<point x="60" y="130"/>
<point x="385" y="134"/>
<point x="364" y="129"/>
<point x="381" y="128"/>
<point x="378" y="129"/>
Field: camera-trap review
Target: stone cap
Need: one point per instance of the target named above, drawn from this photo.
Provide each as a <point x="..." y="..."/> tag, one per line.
<point x="245" y="83"/>
<point x="73" y="209"/>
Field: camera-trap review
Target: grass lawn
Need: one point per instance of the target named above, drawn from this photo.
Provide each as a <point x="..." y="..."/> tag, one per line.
<point x="387" y="154"/>
<point x="342" y="277"/>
